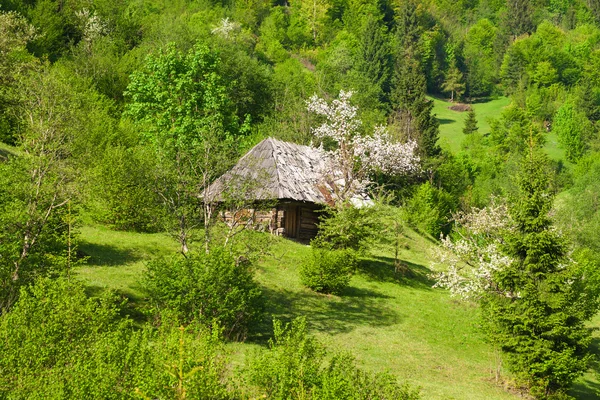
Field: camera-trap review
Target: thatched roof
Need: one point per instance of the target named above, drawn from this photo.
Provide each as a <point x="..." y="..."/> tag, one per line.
<point x="276" y="170"/>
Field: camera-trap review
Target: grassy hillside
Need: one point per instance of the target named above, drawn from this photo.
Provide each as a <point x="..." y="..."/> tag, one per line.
<point x="388" y="321"/>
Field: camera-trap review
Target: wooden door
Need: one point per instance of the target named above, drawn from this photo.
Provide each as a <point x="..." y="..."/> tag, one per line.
<point x="291" y="221"/>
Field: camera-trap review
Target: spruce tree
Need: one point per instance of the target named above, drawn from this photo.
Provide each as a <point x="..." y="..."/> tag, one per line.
<point x="408" y="94"/>
<point x="470" y="123"/>
<point x="538" y="309"/>
<point x="374" y="58"/>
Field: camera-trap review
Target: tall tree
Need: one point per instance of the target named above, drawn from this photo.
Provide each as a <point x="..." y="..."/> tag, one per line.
<point x="539" y="304"/>
<point x="411" y="108"/>
<point x="374" y="58"/>
<point x="179" y="103"/>
<point x="35" y="187"/>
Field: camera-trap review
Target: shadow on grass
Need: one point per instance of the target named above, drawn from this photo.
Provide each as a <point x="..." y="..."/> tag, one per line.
<point x="588" y="387"/>
<point x="325" y="313"/>
<point x="445" y="121"/>
<point x="382" y="269"/>
<point x="104" y="254"/>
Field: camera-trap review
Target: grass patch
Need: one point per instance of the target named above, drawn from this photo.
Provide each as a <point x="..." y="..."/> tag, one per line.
<point x="453" y="122"/>
<point x="117" y="259"/>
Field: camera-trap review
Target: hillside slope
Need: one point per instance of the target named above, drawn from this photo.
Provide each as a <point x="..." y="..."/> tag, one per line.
<point x="388" y="321"/>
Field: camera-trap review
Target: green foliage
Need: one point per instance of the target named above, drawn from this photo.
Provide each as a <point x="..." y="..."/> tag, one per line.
<point x="348" y="227"/>
<point x="578" y="213"/>
<point x="58" y="343"/>
<point x="212" y="288"/>
<point x="120" y="194"/>
<point x="479" y="59"/>
<point x="470" y="123"/>
<point x="328" y="270"/>
<point x="538" y="311"/>
<point x="294" y="367"/>
<point x="574" y="131"/>
<point x="429" y="210"/>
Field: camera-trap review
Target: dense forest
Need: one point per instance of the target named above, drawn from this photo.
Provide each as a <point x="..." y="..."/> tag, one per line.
<point x="120" y="114"/>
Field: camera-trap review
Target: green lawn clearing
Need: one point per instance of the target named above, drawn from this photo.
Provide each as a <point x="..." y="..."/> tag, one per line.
<point x="453" y="122"/>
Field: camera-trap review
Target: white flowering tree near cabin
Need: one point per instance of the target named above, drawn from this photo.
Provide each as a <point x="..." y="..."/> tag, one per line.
<point x="356" y="155"/>
<point x="471" y="259"/>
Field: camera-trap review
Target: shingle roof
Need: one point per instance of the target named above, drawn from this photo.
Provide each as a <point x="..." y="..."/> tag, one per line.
<point x="277" y="170"/>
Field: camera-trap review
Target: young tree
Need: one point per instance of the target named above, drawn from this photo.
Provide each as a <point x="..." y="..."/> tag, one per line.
<point x="36" y="186"/>
<point x="470" y="123"/>
<point x="179" y="103"/>
<point x="355" y="156"/>
<point x="454" y="83"/>
<point x="573" y="130"/>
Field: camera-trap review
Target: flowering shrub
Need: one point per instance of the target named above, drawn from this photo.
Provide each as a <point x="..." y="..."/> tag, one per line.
<point x="474" y="255"/>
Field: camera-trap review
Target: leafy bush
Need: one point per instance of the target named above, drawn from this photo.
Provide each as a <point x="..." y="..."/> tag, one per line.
<point x="211" y="288"/>
<point x="348" y="227"/>
<point x="328" y="271"/>
<point x="294" y="367"/>
<point x="429" y="210"/>
<point x="57" y="343"/>
<point x="121" y="192"/>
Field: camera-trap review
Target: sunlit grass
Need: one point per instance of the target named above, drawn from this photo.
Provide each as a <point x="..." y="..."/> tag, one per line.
<point x="453" y="122"/>
<point x="390" y="322"/>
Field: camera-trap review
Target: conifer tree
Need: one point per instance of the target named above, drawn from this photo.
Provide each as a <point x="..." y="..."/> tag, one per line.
<point x="409" y="104"/>
<point x="454" y="83"/>
<point x="374" y="58"/>
<point x="470" y="123"/>
<point x="537" y="309"/>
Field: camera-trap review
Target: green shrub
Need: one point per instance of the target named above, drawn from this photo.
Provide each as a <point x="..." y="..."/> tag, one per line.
<point x="211" y="288"/>
<point x="328" y="271"/>
<point x="57" y="343"/>
<point x="429" y="210"/>
<point x="120" y="192"/>
<point x="294" y="367"/>
<point x="348" y="227"/>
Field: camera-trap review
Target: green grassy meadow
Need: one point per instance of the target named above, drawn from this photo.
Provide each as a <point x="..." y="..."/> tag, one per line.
<point x="452" y="122"/>
<point x="392" y="322"/>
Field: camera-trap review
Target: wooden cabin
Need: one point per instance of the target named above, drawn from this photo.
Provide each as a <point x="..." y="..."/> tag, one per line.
<point x="282" y="186"/>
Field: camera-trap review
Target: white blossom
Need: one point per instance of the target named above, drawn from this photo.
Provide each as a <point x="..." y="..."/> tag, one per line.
<point x="471" y="259"/>
<point x="356" y="155"/>
<point x="225" y="28"/>
<point x="93" y="26"/>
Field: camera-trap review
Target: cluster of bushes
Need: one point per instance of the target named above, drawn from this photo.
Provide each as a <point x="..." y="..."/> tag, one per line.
<point x="213" y="289"/>
<point x="297" y="366"/>
<point x="59" y="343"/>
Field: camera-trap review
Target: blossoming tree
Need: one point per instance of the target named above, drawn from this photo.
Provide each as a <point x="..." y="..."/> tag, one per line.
<point x="471" y="258"/>
<point x="355" y="155"/>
